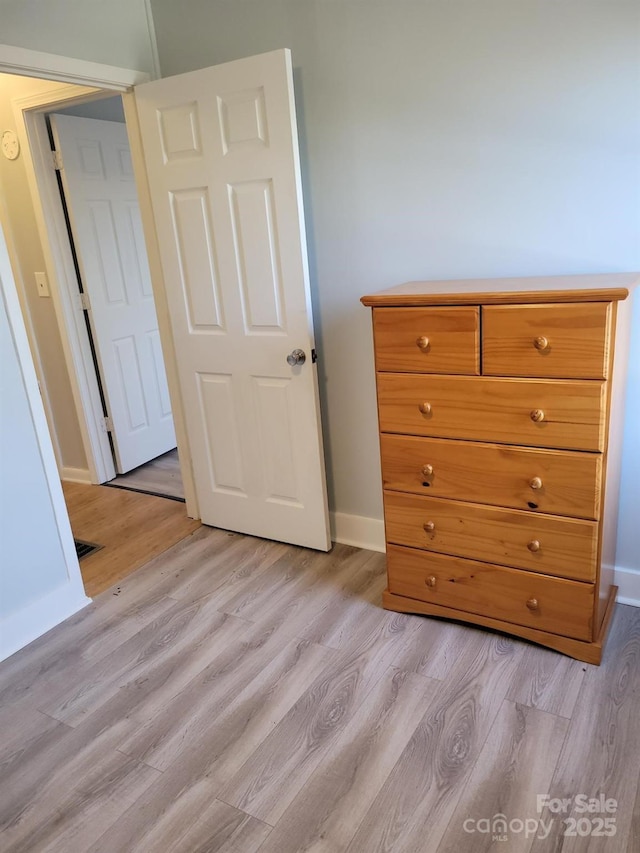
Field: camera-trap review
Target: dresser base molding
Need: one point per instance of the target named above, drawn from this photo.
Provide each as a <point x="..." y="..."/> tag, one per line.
<point x="587" y="652"/>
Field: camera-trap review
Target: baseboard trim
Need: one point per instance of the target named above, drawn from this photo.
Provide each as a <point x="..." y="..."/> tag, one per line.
<point x="628" y="583"/>
<point x="75" y="475"/>
<point x="357" y="530"/>
<point x="21" y="628"/>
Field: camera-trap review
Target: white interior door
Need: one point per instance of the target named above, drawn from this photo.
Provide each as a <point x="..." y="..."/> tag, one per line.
<point x="221" y="151"/>
<point x="103" y="208"/>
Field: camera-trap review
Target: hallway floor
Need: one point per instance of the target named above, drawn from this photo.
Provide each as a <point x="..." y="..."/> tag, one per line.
<point x="160" y="476"/>
<point x="133" y="528"/>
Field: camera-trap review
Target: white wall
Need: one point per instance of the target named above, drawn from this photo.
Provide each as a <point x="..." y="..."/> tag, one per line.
<point x="113" y="32"/>
<point x="441" y="140"/>
<point x="40" y="581"/>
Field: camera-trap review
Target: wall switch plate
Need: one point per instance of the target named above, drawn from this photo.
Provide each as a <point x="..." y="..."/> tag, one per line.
<point x="42" y="284"/>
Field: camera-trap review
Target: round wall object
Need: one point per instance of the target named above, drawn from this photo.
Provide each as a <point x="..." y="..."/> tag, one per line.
<point x="10" y="145"/>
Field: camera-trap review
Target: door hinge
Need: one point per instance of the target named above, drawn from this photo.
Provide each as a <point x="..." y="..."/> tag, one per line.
<point x="81" y="301"/>
<point x="56" y="157"/>
<point x="314" y="356"/>
<point x="107" y="425"/>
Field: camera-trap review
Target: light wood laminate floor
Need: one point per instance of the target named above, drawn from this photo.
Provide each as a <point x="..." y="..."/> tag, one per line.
<point x="240" y="695"/>
<point x="132" y="528"/>
<point x="160" y="476"/>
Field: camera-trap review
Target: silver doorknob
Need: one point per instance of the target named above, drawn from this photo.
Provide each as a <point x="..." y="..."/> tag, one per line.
<point x="296" y="357"/>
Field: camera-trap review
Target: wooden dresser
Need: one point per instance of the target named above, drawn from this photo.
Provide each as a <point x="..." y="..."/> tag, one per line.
<point x="495" y="402"/>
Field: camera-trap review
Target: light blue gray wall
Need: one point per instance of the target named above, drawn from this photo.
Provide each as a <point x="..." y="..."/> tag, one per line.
<point x="112" y="32"/>
<point x="442" y="138"/>
<point x="31" y="559"/>
<point x="628" y="551"/>
<point x="40" y="581"/>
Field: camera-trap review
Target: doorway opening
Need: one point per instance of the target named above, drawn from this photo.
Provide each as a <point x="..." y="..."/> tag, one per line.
<point x="131" y="527"/>
<point x="216" y="163"/>
<point x="99" y="203"/>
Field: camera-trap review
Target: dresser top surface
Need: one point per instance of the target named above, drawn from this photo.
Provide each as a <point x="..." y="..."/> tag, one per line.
<point x="562" y="288"/>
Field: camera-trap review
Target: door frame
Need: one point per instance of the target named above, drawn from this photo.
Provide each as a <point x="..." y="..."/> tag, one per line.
<point x="29" y="115"/>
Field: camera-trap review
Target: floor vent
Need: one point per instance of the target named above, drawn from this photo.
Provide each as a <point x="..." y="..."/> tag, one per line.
<point x="83" y="549"/>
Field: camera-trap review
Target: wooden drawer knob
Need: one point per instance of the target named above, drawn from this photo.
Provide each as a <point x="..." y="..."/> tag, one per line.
<point x="537" y="416"/>
<point x="532" y="604"/>
<point x="427" y="470"/>
<point x="425" y="408"/>
<point x="535" y="483"/>
<point x="430" y="581"/>
<point x="429" y="526"/>
<point x="423" y="343"/>
<point x="534" y="545"/>
<point x="541" y="343"/>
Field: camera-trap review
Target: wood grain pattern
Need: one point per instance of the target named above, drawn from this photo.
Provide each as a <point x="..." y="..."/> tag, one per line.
<point x="236" y="710"/>
<point x="495" y="474"/>
<point x="505" y="291"/>
<point x="561" y="606"/>
<point x="511" y="752"/>
<point x="565" y="547"/>
<point x="273" y="777"/>
<point x="577" y="337"/>
<point x="182" y="816"/>
<point x="633" y="842"/>
<point x="342" y="607"/>
<point x="171" y="644"/>
<point x="480" y="408"/>
<point x="343" y="744"/>
<point x="432" y="340"/>
<point x="328" y="810"/>
<point x="419" y="797"/>
<point x="133" y="528"/>
<point x="160" y="476"/>
<point x="25" y="731"/>
<point x="78" y="774"/>
<point x="606" y="721"/>
<point x="548" y="681"/>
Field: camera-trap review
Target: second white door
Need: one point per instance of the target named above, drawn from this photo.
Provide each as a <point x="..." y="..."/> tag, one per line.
<point x="103" y="208"/>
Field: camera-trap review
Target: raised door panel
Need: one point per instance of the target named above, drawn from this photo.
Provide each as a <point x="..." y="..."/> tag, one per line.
<point x="555" y="605"/>
<point x="564" y="547"/>
<point x="129" y="370"/>
<point x="197" y="264"/>
<point x="257" y="257"/>
<point x="277" y="442"/>
<point x="225" y="468"/>
<point x="551" y="481"/>
<point x="538" y="413"/>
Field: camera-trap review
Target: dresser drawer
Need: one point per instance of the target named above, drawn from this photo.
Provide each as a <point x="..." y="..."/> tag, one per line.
<point x="552" y="481"/>
<point x="428" y="340"/>
<point x="557" y="341"/>
<point x="524" y="598"/>
<point x="538" y="413"/>
<point x="565" y="547"/>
